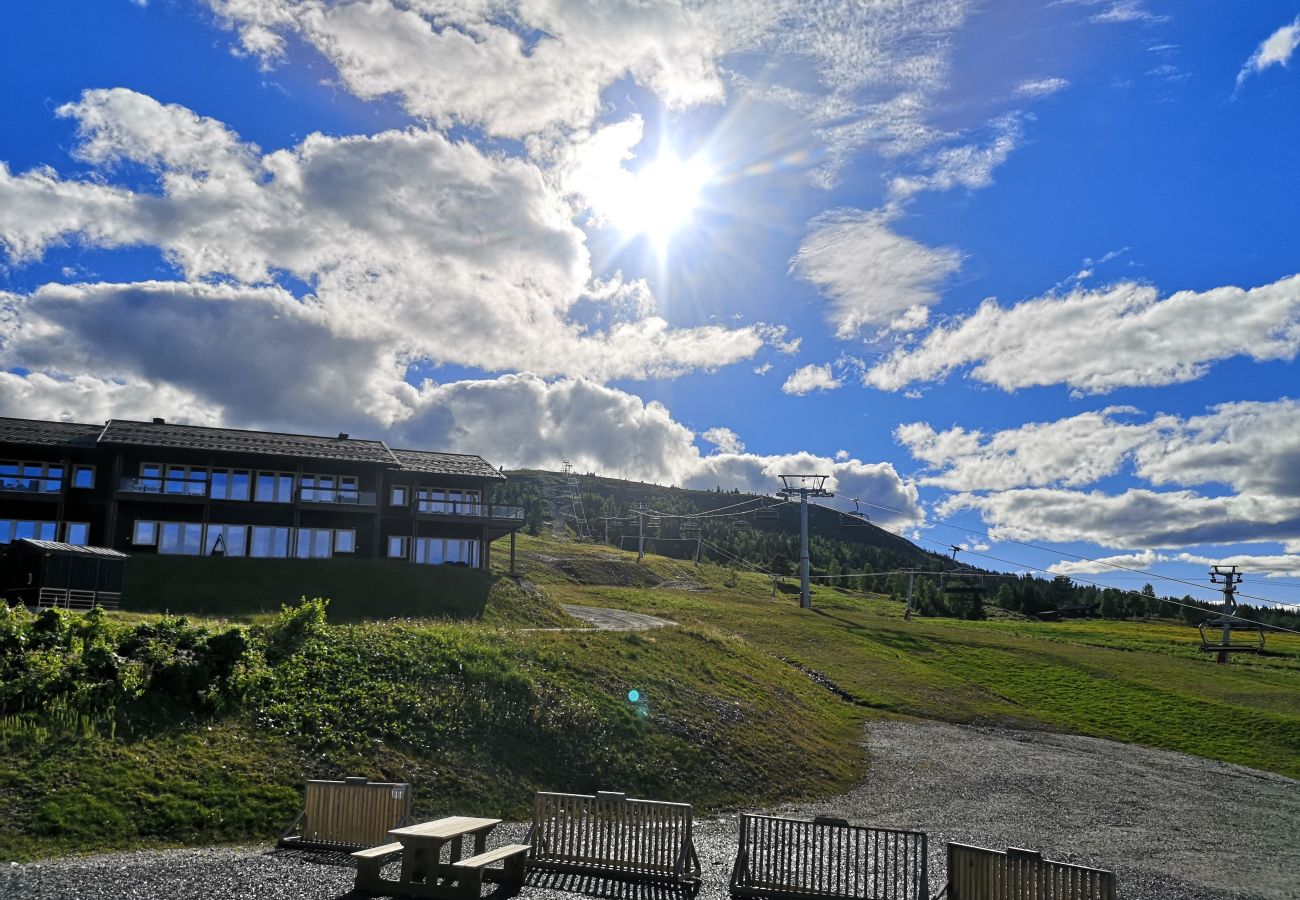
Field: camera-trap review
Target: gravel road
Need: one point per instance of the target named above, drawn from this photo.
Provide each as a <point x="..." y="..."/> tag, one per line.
<point x="603" y="619"/>
<point x="1175" y="827"/>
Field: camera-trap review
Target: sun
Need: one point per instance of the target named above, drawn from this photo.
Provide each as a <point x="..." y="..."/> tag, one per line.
<point x="660" y="199"/>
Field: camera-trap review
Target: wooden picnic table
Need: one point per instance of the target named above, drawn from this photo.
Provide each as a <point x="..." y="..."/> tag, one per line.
<point x="422" y="848"/>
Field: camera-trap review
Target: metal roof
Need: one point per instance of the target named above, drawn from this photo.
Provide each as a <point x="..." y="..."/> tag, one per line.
<point x="233" y="440"/>
<point x="57" y="434"/>
<point x="72" y="549"/>
<point x="446" y="463"/>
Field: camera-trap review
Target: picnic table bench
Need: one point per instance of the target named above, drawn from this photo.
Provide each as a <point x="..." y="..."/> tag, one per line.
<point x="610" y="835"/>
<point x="425" y="873"/>
<point x="828" y="859"/>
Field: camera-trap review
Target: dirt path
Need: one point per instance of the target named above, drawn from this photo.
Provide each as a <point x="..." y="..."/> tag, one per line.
<point x="603" y="619"/>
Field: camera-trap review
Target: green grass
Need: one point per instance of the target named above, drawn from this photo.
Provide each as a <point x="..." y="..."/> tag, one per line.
<point x="481" y="712"/>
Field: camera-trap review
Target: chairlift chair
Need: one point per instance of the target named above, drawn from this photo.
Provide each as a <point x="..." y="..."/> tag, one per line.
<point x="1212" y="636"/>
<point x="766" y="514"/>
<point x="855" y="519"/>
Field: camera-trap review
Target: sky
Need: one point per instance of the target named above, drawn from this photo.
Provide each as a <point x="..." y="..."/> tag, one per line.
<point x="1021" y="277"/>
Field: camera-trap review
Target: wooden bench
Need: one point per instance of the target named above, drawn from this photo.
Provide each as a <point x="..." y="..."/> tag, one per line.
<point x="976" y="873"/>
<point x="348" y="815"/>
<point x="609" y="835"/>
<point x="794" y="859"/>
<point x="476" y="868"/>
<point x="370" y="862"/>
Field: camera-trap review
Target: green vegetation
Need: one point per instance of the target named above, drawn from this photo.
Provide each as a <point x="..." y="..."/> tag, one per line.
<point x="123" y="730"/>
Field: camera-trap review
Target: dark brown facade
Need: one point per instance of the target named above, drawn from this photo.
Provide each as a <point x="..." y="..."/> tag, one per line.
<point x="153" y="487"/>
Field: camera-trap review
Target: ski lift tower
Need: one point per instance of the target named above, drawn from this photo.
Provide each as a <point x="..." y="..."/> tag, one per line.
<point x="803" y="487"/>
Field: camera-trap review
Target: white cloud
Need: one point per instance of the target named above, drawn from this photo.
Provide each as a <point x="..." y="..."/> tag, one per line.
<point x="870" y="274"/>
<point x="763" y="369"/>
<point x="1121" y="11"/>
<point x="811" y="378"/>
<point x="966" y="165"/>
<point x="726" y="440"/>
<point x="84" y="398"/>
<point x="478" y="266"/>
<point x="1270" y="566"/>
<point x="1274" y="50"/>
<point x="1133" y="518"/>
<point x="1099" y="340"/>
<point x="1041" y="87"/>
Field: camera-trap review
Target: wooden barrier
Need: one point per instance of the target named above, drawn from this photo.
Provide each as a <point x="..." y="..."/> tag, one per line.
<point x="828" y="858"/>
<point x="976" y="873"/>
<point x="608" y="834"/>
<point x="348" y="815"/>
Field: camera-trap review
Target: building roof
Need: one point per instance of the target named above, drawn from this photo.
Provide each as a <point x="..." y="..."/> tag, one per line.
<point x="56" y="434"/>
<point x="446" y="463"/>
<point x="233" y="440"/>
<point x="70" y="549"/>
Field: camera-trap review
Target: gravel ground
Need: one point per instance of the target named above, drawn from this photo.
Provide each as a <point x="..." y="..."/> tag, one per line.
<point x="1175" y="827"/>
<point x="603" y="619"/>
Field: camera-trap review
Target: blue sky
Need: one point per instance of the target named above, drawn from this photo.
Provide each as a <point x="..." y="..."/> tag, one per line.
<point x="1026" y="267"/>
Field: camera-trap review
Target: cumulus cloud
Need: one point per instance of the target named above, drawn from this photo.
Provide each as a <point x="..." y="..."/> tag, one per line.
<point x="1274" y="50"/>
<point x="480" y="266"/>
<point x="1096" y="341"/>
<point x="726" y="440"/>
<point x="1249" y="447"/>
<point x="811" y="378"/>
<point x="1270" y="566"/>
<point x="869" y="274"/>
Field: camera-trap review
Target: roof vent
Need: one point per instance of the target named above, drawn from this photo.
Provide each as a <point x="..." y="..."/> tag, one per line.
<point x="158" y="421"/>
<point x="343" y="435"/>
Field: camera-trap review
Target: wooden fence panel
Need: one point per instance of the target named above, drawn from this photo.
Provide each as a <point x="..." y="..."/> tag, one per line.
<point x="977" y="873"/>
<point x="611" y="834"/>
<point x="348" y="815"/>
<point x="828" y="858"/>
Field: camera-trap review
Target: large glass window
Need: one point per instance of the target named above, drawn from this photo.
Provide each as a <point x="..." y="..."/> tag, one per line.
<point x="330" y="488"/>
<point x="229" y="540"/>
<point x="230" y="484"/>
<point x="270" y="542"/>
<point x="76" y="533"/>
<point x="314" y="543"/>
<point x="14" y="529"/>
<point x="34" y="477"/>
<point x="436" y="551"/>
<point x="180" y="538"/>
<point x="274" y="487"/>
<point x="345" y="541"/>
<point x="190" y="481"/>
<point x="146" y="533"/>
<point x="439" y="500"/>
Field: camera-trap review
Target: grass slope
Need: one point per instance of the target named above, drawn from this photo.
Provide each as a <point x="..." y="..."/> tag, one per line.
<point x="743" y="704"/>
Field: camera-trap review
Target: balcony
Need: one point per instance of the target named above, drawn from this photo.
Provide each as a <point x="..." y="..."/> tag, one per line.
<point x="475" y="509"/>
<point x="338" y="498"/>
<point x="30" y="486"/>
<point x="164" y="488"/>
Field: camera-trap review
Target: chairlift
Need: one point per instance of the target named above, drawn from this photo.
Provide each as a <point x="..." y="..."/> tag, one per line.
<point x="742" y="525"/>
<point x="690" y="529"/>
<point x="1217" y="636"/>
<point x="765" y="514"/>
<point x="855" y="519"/>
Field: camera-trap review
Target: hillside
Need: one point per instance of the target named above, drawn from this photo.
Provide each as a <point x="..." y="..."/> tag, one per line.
<point x="124" y="730"/>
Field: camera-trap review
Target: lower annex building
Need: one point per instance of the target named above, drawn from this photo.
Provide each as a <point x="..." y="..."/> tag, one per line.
<point x="184" y="490"/>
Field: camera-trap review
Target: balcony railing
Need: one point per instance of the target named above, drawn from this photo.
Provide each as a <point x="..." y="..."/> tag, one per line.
<point x="337" y="496"/>
<point x="475" y="508"/>
<point x="172" y="487"/>
<point x="30" y="484"/>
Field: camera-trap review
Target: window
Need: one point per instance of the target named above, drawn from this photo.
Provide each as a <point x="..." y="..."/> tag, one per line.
<point x="14" y="529"/>
<point x="229" y="539"/>
<point x="330" y="489"/>
<point x="345" y="541"/>
<point x="146" y="533"/>
<point x="189" y="481"/>
<point x="230" y="484"/>
<point x="31" y="477"/>
<point x="270" y="542"/>
<point x="76" y="533"/>
<point x="398" y="495"/>
<point x="274" y="487"/>
<point x="180" y="538"/>
<point x="83" y="477"/>
<point x="439" y="500"/>
<point x="314" y="543"/>
<point x="436" y="551"/>
<point x="399" y="547"/>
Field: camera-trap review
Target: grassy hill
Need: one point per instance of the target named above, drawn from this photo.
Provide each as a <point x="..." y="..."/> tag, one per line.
<point x="124" y="730"/>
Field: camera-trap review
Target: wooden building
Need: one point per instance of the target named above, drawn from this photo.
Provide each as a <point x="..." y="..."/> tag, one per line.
<point x="184" y="490"/>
